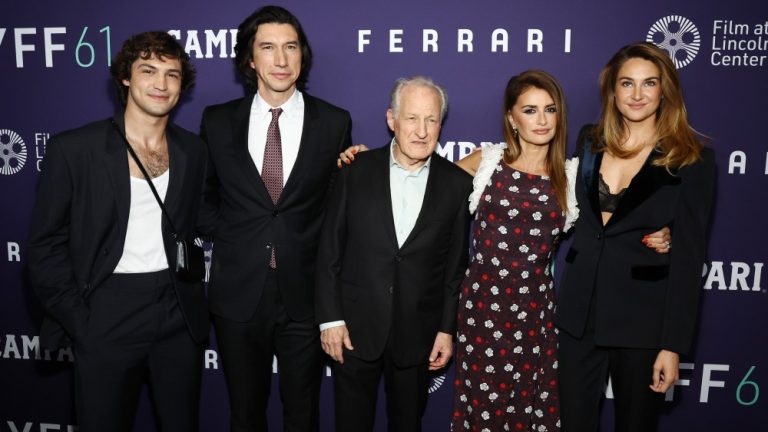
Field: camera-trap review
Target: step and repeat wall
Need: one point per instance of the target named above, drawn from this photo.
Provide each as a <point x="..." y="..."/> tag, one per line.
<point x="54" y="59"/>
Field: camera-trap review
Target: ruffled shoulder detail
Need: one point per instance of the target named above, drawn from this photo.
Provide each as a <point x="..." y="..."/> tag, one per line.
<point x="571" y="171"/>
<point x="491" y="155"/>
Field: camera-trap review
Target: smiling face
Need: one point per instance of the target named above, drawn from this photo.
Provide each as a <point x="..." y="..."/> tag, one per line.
<point x="154" y="86"/>
<point x="534" y="115"/>
<point x="416" y="125"/>
<point x="276" y="59"/>
<point x="638" y="90"/>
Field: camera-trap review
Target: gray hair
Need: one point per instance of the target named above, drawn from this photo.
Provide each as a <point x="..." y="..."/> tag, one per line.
<point x="394" y="100"/>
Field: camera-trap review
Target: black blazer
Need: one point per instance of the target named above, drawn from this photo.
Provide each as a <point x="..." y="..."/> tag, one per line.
<point x="642" y="299"/>
<point x="383" y="291"/>
<point x="80" y="219"/>
<point x="245" y="223"/>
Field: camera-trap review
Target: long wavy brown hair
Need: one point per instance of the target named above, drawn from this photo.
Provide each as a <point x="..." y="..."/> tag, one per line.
<point x="676" y="139"/>
<point x="555" y="164"/>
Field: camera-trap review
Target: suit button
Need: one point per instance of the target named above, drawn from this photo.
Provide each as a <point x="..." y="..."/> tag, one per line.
<point x="269" y="246"/>
<point x="398" y="258"/>
<point x="599" y="236"/>
<point x="391" y="289"/>
<point x="274" y="213"/>
<point x="106" y="251"/>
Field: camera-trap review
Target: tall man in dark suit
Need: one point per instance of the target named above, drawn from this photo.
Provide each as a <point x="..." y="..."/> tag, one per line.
<point x="100" y="249"/>
<point x="393" y="251"/>
<point x="272" y="157"/>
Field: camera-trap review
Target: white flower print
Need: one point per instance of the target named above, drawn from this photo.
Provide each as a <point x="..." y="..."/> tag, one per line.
<point x="514" y="189"/>
<point x="488" y="324"/>
<point x="497" y="335"/>
<point x="524" y="274"/>
<point x="504" y="203"/>
<point x="493" y="396"/>
<point x="485" y="415"/>
<point x="490" y="369"/>
<point x="515" y="175"/>
<point x="537" y="216"/>
<point x="534" y="191"/>
<point x="518" y="335"/>
<point x="468" y="304"/>
<point x="522" y="315"/>
<point x="484" y="387"/>
<point x="523" y="290"/>
<point x="543" y="198"/>
<point x="471" y="321"/>
<point x="532" y="257"/>
<point x="523" y="248"/>
<point x="489" y="352"/>
<point x="502" y="229"/>
<point x="508" y="367"/>
<point x="470" y="348"/>
<point x="503" y="272"/>
<point x="512" y="213"/>
<point x="503" y="246"/>
<point x="495" y="261"/>
<point x="534" y="232"/>
<point x="495" y="307"/>
<point x="495" y="291"/>
<point x="462" y="338"/>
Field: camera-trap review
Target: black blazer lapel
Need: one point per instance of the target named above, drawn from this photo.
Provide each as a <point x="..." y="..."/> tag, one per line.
<point x="431" y="201"/>
<point x="240" y="126"/>
<point x="590" y="167"/>
<point x="116" y="165"/>
<point x="646" y="182"/>
<point x="307" y="143"/>
<point x="381" y="193"/>
<point x="177" y="155"/>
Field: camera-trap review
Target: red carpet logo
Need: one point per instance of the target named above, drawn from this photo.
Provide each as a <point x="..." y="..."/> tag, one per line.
<point x="678" y="36"/>
<point x="13" y="152"/>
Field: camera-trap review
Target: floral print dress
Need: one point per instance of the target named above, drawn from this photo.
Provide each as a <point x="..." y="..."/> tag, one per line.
<point x="506" y="364"/>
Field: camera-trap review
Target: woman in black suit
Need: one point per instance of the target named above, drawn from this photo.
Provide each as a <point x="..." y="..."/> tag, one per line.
<point x="624" y="310"/>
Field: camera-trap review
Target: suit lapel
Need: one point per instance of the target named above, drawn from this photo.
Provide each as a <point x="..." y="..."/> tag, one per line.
<point x="177" y="155"/>
<point x="646" y="182"/>
<point x="240" y="130"/>
<point x="307" y="143"/>
<point x="430" y="202"/>
<point x="382" y="194"/>
<point x="116" y="165"/>
<point x="590" y="167"/>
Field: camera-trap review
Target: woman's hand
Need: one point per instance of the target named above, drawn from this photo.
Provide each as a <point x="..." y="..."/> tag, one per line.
<point x="348" y="155"/>
<point x="661" y="240"/>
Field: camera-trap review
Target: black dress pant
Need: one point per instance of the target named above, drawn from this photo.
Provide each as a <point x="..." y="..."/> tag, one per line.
<point x="136" y="333"/>
<point x="356" y="388"/>
<point x="583" y="373"/>
<point x="246" y="350"/>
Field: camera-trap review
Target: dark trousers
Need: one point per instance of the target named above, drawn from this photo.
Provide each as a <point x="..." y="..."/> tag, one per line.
<point x="356" y="387"/>
<point x="136" y="332"/>
<point x="246" y="350"/>
<point x="583" y="371"/>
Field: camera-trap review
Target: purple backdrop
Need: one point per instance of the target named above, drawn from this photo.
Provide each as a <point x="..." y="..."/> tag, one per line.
<point x="53" y="64"/>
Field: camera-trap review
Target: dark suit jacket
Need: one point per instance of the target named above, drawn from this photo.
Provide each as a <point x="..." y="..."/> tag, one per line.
<point x="245" y="223"/>
<point x="643" y="299"/>
<point x="380" y="290"/>
<point x="81" y="216"/>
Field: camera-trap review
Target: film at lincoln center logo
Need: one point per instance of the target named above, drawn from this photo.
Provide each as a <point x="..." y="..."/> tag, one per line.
<point x="13" y="152"/>
<point x="678" y="36"/>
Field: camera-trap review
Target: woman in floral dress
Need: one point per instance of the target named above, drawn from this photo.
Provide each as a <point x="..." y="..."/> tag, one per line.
<point x="506" y="365"/>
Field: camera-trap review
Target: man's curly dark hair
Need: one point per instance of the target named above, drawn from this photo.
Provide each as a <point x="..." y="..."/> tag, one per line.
<point x="145" y="45"/>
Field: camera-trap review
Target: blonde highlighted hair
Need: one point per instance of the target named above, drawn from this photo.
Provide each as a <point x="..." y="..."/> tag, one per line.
<point x="676" y="139"/>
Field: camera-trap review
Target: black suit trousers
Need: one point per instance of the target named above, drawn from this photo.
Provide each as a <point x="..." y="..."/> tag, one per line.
<point x="247" y="350"/>
<point x="136" y="332"/>
<point x="356" y="388"/>
<point x="583" y="371"/>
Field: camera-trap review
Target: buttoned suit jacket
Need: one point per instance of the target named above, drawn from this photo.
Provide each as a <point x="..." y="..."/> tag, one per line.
<point x="80" y="220"/>
<point x="245" y="224"/>
<point x="642" y="299"/>
<point x="404" y="295"/>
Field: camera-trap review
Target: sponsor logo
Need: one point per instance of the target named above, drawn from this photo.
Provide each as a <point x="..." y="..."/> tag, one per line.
<point x="678" y="36"/>
<point x="13" y="152"/>
<point x="436" y="383"/>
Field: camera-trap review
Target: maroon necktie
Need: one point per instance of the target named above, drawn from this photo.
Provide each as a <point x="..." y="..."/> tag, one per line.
<point x="272" y="170"/>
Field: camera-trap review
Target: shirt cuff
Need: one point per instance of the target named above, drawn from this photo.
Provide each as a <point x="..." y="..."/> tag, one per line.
<point x="330" y="324"/>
